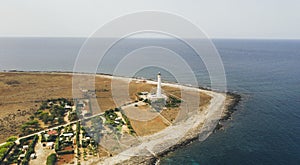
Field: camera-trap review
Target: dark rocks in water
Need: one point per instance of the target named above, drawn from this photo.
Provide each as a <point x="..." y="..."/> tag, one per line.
<point x="231" y="107"/>
<point x="229" y="110"/>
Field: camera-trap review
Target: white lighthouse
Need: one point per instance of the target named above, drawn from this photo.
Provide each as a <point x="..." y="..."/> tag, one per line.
<point x="158" y="90"/>
<point x="157" y="98"/>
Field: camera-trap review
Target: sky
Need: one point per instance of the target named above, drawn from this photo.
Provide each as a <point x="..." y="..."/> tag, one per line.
<point x="270" y="19"/>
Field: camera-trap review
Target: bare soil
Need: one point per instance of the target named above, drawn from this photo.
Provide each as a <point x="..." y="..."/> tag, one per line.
<point x="143" y="128"/>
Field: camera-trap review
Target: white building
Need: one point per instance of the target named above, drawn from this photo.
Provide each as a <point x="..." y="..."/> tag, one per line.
<point x="158" y="90"/>
<point x="158" y="94"/>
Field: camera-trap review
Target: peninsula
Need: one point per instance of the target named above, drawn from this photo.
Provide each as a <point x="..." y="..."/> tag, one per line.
<point x="42" y="121"/>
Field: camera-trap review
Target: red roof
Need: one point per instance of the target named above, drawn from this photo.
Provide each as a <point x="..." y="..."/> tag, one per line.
<point x="52" y="132"/>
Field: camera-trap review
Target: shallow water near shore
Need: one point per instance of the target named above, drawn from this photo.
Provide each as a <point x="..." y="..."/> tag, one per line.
<point x="264" y="130"/>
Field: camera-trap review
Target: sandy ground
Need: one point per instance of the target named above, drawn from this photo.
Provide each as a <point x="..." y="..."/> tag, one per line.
<point x="41" y="154"/>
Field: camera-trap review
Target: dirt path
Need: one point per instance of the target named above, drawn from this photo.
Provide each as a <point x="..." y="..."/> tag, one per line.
<point x="42" y="153"/>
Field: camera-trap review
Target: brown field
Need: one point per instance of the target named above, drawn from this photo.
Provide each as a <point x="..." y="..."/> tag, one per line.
<point x="65" y="159"/>
<point x="170" y="114"/>
<point x="21" y="94"/>
<point x="143" y="128"/>
<point x="134" y="88"/>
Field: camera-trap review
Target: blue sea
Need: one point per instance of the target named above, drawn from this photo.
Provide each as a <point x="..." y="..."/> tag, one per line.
<point x="265" y="129"/>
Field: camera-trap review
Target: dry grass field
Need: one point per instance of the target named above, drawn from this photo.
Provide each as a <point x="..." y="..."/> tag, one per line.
<point x="143" y="128"/>
<point x="157" y="124"/>
<point x="21" y="94"/>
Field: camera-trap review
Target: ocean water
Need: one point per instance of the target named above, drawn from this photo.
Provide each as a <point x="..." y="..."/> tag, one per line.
<point x="264" y="130"/>
<point x="266" y="127"/>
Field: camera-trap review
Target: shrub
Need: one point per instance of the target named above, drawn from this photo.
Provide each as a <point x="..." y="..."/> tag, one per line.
<point x="30" y="150"/>
<point x="51" y="160"/>
<point x="65" y="152"/>
<point x="12" y="139"/>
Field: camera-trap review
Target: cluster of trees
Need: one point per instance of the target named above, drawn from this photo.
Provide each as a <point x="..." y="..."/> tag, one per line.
<point x="56" y="111"/>
<point x="12" y="139"/>
<point x="173" y="102"/>
<point x="73" y="116"/>
<point x="14" y="151"/>
<point x="77" y="134"/>
<point x="57" y="144"/>
<point x="5" y="149"/>
<point x="51" y="138"/>
<point x="30" y="127"/>
<point x="110" y="116"/>
<point x="30" y="150"/>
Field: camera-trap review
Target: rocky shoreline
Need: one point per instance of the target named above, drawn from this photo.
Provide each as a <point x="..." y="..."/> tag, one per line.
<point x="191" y="136"/>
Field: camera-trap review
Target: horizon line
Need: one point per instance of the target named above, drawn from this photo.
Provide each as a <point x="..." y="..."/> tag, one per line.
<point x="212" y="38"/>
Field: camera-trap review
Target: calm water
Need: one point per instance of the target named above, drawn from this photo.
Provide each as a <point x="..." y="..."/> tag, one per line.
<point x="266" y="128"/>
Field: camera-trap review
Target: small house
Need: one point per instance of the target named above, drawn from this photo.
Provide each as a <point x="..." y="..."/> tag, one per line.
<point x="68" y="134"/>
<point x="144" y="93"/>
<point x="80" y="104"/>
<point x="68" y="107"/>
<point x="50" y="145"/>
<point x="119" y="118"/>
<point x="25" y="147"/>
<point x="52" y="132"/>
<point x="22" y="156"/>
<point x="33" y="156"/>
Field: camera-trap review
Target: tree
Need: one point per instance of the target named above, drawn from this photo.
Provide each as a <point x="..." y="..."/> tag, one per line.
<point x="51" y="160"/>
<point x="61" y="120"/>
<point x="12" y="139"/>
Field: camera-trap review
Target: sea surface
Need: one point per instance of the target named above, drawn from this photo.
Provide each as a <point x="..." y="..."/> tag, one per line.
<point x="265" y="129"/>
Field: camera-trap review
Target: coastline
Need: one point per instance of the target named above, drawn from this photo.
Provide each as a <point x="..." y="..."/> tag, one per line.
<point x="196" y="130"/>
<point x="229" y="109"/>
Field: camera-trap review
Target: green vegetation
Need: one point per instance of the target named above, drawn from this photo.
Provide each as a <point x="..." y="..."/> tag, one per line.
<point x="12" y="139"/>
<point x="53" y="111"/>
<point x="30" y="150"/>
<point x="173" y="102"/>
<point x="51" y="160"/>
<point x="57" y="144"/>
<point x="65" y="152"/>
<point x="77" y="134"/>
<point x="13" y="157"/>
<point x="30" y="127"/>
<point x="73" y="116"/>
<point x="128" y="123"/>
<point x="110" y="117"/>
<point x="4" y="149"/>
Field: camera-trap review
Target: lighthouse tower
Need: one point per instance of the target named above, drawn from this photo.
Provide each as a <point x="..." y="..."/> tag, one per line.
<point x="158" y="90"/>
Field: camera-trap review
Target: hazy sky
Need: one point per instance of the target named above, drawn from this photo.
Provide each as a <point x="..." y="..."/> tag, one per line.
<point x="218" y="18"/>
